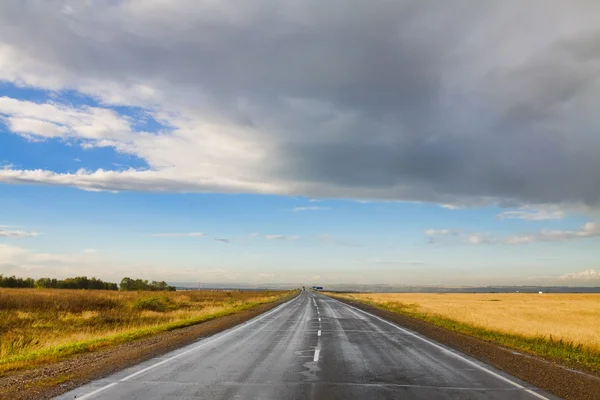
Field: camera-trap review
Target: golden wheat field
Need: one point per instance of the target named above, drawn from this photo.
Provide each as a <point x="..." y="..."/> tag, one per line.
<point x="52" y="323"/>
<point x="571" y="317"/>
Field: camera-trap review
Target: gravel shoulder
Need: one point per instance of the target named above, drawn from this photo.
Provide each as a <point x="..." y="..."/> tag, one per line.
<point x="52" y="380"/>
<point x="552" y="377"/>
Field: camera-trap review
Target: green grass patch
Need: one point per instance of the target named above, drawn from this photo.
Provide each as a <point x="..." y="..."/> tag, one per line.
<point x="155" y="303"/>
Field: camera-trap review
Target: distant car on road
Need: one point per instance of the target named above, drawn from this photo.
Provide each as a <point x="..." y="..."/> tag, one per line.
<point x="317" y="288"/>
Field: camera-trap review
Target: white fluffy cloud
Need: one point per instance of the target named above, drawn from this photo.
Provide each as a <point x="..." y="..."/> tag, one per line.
<point x="189" y="234"/>
<point x="436" y="232"/>
<point x="454" y="103"/>
<point x="541" y="214"/>
<point x="479" y="238"/>
<point x="16" y="233"/>
<point x="589" y="275"/>
<point x="281" y="237"/>
<point x="450" y="206"/>
<point x="311" y="208"/>
<point x="35" y="120"/>
<point x="589" y="230"/>
<point x="168" y="180"/>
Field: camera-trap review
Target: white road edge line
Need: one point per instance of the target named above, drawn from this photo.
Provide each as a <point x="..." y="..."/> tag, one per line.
<point x="319" y="333"/>
<point x="204" y="343"/>
<point x="474" y="364"/>
<point x="316" y="357"/>
<point x="103" y="388"/>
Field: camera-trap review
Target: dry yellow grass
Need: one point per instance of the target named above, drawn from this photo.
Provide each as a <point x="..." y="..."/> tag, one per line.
<point x="44" y="325"/>
<point x="573" y="318"/>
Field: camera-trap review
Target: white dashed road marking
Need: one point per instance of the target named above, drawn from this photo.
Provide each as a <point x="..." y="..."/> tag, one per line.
<point x="317" y="352"/>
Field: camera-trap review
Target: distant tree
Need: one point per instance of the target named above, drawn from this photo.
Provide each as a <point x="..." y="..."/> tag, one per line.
<point x="83" y="282"/>
<point x="14" y="282"/>
<point x="79" y="282"/>
<point x="128" y="284"/>
<point x="43" y="283"/>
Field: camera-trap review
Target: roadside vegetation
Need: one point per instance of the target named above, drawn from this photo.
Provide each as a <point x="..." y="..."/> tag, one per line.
<point x="79" y="282"/>
<point x="561" y="327"/>
<point x="141" y="284"/>
<point x="39" y="326"/>
<point x="83" y="282"/>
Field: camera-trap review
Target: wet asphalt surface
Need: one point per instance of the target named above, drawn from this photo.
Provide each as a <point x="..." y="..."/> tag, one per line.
<point x="312" y="347"/>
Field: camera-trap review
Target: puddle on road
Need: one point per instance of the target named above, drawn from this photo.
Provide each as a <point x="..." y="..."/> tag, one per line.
<point x="310" y="375"/>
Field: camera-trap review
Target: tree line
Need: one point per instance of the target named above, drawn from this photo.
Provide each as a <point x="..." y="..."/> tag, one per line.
<point x="83" y="282"/>
<point x="139" y="284"/>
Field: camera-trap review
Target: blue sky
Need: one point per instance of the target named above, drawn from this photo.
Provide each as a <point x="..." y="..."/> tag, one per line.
<point x="199" y="155"/>
<point x="337" y="241"/>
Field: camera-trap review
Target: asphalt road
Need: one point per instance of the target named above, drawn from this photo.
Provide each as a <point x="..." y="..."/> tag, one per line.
<point x="312" y="347"/>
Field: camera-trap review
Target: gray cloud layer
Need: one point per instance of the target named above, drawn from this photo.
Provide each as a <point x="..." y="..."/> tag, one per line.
<point x="409" y="100"/>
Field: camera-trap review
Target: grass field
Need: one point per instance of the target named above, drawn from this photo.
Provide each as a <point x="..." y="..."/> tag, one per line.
<point x="39" y="326"/>
<point x="564" y="327"/>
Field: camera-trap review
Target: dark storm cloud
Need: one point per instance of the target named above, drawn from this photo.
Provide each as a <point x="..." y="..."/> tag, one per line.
<point x="406" y="100"/>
